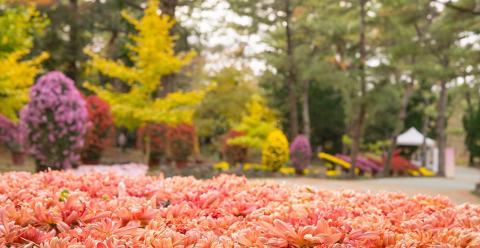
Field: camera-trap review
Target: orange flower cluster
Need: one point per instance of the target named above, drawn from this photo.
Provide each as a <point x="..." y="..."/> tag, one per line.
<point x="60" y="209"/>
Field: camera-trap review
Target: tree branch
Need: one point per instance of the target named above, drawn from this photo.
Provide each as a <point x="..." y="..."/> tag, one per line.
<point x="133" y="5"/>
<point x="463" y="9"/>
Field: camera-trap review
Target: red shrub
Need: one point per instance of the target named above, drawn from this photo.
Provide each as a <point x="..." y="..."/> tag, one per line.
<point x="181" y="140"/>
<point x="233" y="153"/>
<point x="157" y="133"/>
<point x="101" y="126"/>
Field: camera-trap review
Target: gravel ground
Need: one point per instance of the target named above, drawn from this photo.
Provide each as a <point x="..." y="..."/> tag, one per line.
<point x="458" y="189"/>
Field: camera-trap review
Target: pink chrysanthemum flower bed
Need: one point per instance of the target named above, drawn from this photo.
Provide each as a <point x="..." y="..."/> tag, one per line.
<point x="60" y="209"/>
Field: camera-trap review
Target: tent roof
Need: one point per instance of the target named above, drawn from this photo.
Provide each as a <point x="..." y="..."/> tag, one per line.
<point x="412" y="137"/>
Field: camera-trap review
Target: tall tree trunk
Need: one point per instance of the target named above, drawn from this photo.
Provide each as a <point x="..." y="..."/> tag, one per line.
<point x="168" y="7"/>
<point x="423" y="148"/>
<point x="111" y="48"/>
<point x="468" y="99"/>
<point x="357" y="138"/>
<point x="73" y="43"/>
<point x="359" y="122"/>
<point x="441" y="122"/>
<point x="340" y="51"/>
<point x="402" y="113"/>
<point x="168" y="85"/>
<point x="291" y="78"/>
<point x="148" y="146"/>
<point x="470" y="115"/>
<point x="350" y="124"/>
<point x="306" y="109"/>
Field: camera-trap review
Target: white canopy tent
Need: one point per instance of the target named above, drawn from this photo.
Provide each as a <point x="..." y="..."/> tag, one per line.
<point x="412" y="137"/>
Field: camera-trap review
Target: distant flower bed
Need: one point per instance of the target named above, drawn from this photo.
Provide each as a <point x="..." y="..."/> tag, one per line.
<point x="261" y="170"/>
<point x="59" y="209"/>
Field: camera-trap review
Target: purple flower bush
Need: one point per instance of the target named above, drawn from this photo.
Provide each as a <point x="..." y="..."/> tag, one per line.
<point x="300" y="153"/>
<point x="55" y="120"/>
<point x="11" y="134"/>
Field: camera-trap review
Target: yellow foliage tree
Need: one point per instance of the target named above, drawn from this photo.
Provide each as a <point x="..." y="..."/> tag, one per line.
<point x="17" y="75"/>
<point x="257" y="122"/>
<point x="17" y="24"/>
<point x="154" y="57"/>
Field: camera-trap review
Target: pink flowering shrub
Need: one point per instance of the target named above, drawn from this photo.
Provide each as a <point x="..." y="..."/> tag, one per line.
<point x="60" y="209"/>
<point x="300" y="153"/>
<point x="56" y="121"/>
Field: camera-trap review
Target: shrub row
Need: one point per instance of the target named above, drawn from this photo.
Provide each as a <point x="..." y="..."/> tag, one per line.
<point x="59" y="126"/>
<point x="175" y="142"/>
<point x="275" y="152"/>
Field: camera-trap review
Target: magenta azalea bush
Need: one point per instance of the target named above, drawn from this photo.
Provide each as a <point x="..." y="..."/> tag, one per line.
<point x="60" y="210"/>
<point x="300" y="153"/>
<point x="11" y="134"/>
<point x="55" y="121"/>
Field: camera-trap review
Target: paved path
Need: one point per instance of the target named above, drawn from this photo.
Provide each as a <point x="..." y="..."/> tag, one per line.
<point x="131" y="169"/>
<point x="458" y="189"/>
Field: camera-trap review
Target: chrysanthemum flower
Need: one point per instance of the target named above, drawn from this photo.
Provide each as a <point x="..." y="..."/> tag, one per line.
<point x="60" y="209"/>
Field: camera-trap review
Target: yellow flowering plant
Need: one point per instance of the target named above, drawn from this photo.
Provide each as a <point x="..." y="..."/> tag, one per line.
<point x="256" y="124"/>
<point x="325" y="156"/>
<point x="275" y="153"/>
<point x="287" y="170"/>
<point x="222" y="166"/>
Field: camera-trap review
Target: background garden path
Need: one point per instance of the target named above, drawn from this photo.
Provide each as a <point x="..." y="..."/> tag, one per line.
<point x="458" y="189"/>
